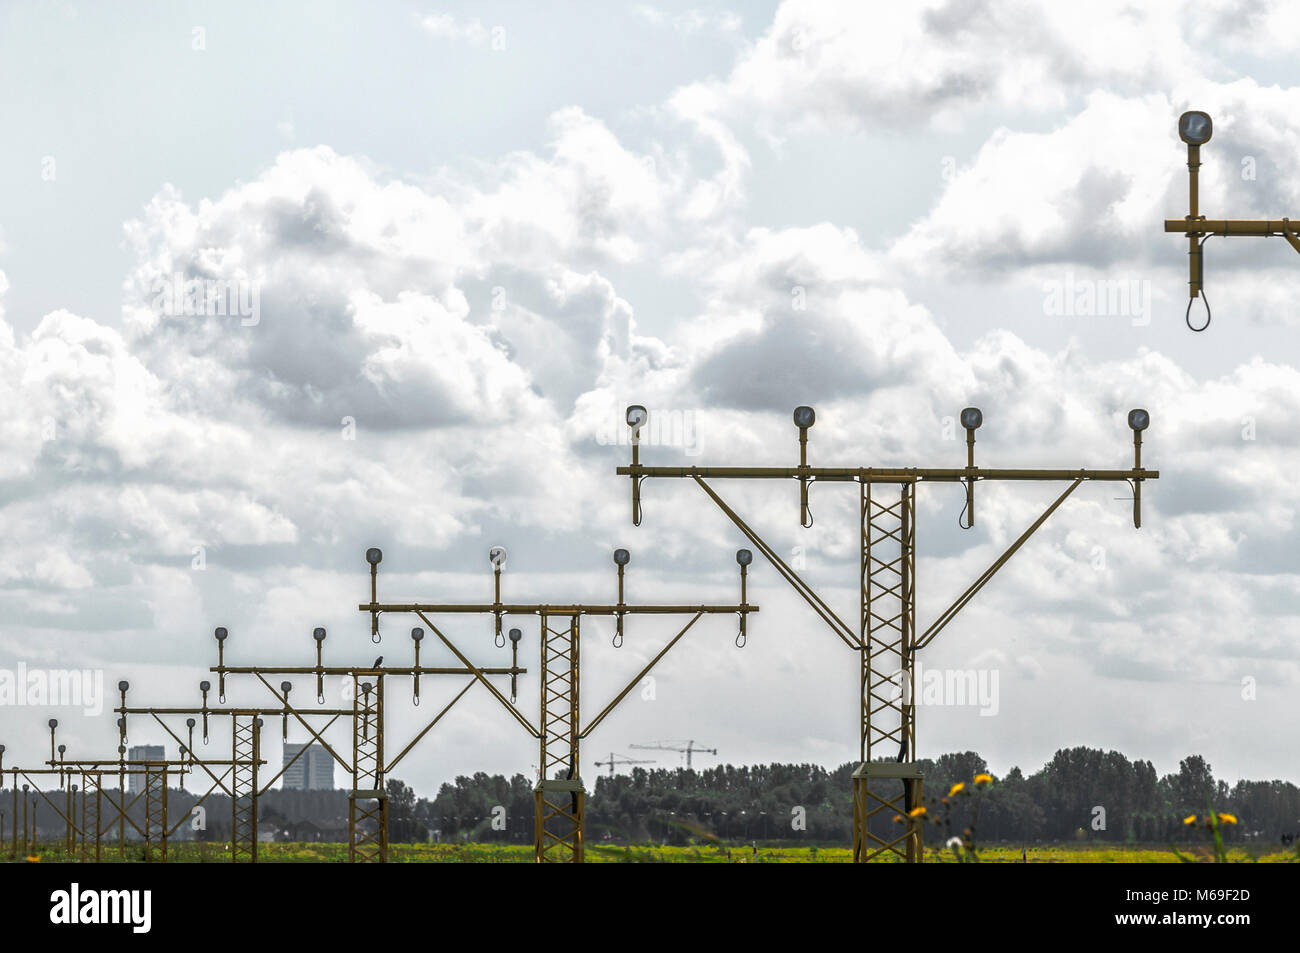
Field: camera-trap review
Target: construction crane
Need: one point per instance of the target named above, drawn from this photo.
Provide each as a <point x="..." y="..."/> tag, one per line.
<point x="688" y="749"/>
<point x="616" y="759"/>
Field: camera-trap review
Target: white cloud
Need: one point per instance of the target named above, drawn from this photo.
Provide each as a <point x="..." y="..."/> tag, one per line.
<point x="858" y="66"/>
<point x="480" y="328"/>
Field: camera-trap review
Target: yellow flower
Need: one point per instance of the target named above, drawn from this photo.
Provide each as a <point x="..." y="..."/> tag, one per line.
<point x="33" y="859"/>
<point x="1189" y="819"/>
<point x="917" y="811"/>
<point x="956" y="788"/>
<point x="1227" y="819"/>
<point x="983" y="779"/>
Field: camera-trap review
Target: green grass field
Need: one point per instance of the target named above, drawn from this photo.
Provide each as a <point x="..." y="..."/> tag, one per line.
<point x="188" y="852"/>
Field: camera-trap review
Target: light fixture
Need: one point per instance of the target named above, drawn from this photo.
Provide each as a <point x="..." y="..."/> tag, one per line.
<point x="221" y="635"/>
<point x="374" y="556"/>
<point x="318" y="634"/>
<point x="1138" y="421"/>
<point x="1195" y="127"/>
<point x="621" y="558"/>
<point x="497" y="557"/>
<point x="972" y="418"/>
<point x="804" y="417"/>
<point x="284" y="722"/>
<point x="417" y="633"/>
<point x="743" y="558"/>
<point x="636" y="417"/>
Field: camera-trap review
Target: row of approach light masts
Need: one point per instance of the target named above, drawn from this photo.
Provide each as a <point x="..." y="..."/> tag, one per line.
<point x="497" y="559"/>
<point x="972" y="418"/>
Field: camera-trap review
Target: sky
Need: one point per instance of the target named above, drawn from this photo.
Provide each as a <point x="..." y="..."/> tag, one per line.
<point x="453" y="242"/>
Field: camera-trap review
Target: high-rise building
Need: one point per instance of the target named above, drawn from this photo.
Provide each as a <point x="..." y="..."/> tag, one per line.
<point x="135" y="782"/>
<point x="312" y="771"/>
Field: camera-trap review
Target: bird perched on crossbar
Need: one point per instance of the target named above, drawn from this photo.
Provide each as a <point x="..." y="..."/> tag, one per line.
<point x="378" y="662"/>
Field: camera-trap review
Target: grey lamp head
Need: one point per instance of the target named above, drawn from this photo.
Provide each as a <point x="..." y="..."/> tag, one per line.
<point x="972" y="418"/>
<point x="1139" y="419"/>
<point x="374" y="555"/>
<point x="1195" y="127"/>
<point x="497" y="557"/>
<point x="622" y="557"/>
<point x="515" y="635"/>
<point x="744" y="557"/>
<point x="417" y="633"/>
<point x="804" y="417"/>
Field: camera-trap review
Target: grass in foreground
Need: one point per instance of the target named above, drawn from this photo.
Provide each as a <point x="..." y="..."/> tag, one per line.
<point x="276" y="852"/>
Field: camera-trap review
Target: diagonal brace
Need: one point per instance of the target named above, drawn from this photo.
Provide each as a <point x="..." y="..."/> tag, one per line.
<point x="478" y="674"/>
<point x="826" y="613"/>
<point x="951" y="612"/>
<point x="640" y="675"/>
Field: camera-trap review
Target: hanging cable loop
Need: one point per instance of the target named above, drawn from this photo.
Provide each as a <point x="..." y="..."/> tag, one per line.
<point x="1208" y="316"/>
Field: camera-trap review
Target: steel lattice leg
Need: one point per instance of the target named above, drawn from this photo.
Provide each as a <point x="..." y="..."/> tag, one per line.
<point x="243" y="788"/>
<point x="560" y="801"/>
<point x="368" y="799"/>
<point x="888" y="728"/>
<point x="91" y="805"/>
<point x="155" y="811"/>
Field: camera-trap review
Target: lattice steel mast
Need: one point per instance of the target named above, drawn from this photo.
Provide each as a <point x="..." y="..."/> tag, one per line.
<point x="885" y="636"/>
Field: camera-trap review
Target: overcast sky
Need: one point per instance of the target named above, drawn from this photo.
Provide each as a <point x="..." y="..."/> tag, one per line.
<point x="466" y="236"/>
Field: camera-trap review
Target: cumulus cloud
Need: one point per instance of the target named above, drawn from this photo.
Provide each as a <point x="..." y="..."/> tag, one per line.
<point x="440" y="363"/>
<point x="857" y="66"/>
<point x="1091" y="191"/>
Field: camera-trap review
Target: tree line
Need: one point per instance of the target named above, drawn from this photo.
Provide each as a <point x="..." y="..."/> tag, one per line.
<point x="1080" y="794"/>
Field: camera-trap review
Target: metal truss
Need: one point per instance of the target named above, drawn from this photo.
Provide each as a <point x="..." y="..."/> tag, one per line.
<point x="560" y="799"/>
<point x="368" y="799"/>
